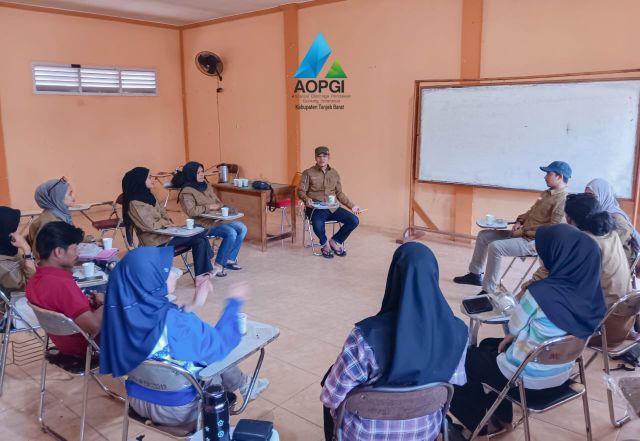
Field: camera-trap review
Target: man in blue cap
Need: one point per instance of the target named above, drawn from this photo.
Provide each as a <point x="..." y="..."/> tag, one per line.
<point x="491" y="245"/>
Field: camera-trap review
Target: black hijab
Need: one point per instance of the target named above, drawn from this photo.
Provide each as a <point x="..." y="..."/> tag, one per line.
<point x="571" y="297"/>
<point x="190" y="172"/>
<point x="135" y="189"/>
<point x="415" y="337"/>
<point x="9" y="220"/>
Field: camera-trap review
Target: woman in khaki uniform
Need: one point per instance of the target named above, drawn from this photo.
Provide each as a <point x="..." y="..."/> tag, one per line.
<point x="196" y="198"/>
<point x="54" y="196"/>
<point x="141" y="211"/>
<point x="15" y="268"/>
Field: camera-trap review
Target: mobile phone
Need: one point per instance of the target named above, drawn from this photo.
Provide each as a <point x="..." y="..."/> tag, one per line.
<point x="477" y="305"/>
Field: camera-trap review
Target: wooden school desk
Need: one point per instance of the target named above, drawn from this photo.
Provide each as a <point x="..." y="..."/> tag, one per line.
<point x="253" y="204"/>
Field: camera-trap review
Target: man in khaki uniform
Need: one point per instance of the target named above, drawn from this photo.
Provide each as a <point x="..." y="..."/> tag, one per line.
<point x="321" y="183"/>
<point x="491" y="245"/>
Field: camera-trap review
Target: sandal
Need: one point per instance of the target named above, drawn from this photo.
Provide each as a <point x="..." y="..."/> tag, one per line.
<point x="326" y="254"/>
<point x="338" y="252"/>
<point x="218" y="272"/>
<point x="233" y="266"/>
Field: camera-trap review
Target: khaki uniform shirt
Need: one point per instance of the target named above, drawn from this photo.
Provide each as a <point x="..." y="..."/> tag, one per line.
<point x="14" y="273"/>
<point x="147" y="218"/>
<point x="548" y="209"/>
<point x="318" y="186"/>
<point x="625" y="232"/>
<point x="194" y="203"/>
<point x="45" y="217"/>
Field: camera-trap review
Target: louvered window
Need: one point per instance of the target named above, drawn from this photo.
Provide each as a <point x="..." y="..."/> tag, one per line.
<point x="89" y="80"/>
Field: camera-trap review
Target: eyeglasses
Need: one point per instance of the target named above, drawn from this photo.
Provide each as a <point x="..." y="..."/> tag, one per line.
<point x="62" y="179"/>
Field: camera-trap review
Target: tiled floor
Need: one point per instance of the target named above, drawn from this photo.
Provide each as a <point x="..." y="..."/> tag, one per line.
<point x="314" y="302"/>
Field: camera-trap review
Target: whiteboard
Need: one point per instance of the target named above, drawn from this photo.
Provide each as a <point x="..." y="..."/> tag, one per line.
<point x="499" y="135"/>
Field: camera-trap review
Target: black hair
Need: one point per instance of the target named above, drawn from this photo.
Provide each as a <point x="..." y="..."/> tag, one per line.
<point x="564" y="178"/>
<point x="584" y="209"/>
<point x="57" y="235"/>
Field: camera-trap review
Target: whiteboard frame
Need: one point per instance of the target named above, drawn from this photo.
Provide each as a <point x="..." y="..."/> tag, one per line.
<point x="417" y="131"/>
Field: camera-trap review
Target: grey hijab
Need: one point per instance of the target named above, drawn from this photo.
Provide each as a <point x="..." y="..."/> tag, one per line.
<point x="50" y="196"/>
<point x="608" y="202"/>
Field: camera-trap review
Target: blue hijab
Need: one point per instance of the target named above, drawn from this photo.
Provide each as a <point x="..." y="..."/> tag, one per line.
<point x="415" y="337"/>
<point x="136" y="308"/>
<point x="571" y="296"/>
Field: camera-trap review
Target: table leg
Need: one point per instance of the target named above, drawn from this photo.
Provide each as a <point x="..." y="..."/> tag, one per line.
<point x="293" y="214"/>
<point x="253" y="382"/>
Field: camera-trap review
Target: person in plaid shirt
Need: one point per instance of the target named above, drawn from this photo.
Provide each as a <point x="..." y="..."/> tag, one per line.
<point x="415" y="339"/>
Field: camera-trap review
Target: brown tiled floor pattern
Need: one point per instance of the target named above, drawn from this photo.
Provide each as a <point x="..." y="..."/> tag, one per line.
<point x="314" y="302"/>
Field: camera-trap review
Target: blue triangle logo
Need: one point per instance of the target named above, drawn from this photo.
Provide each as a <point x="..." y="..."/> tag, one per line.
<point x="314" y="60"/>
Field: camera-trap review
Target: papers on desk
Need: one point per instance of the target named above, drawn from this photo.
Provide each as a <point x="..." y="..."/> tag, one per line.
<point x="99" y="278"/>
<point x="88" y="251"/>
<point x="179" y="231"/>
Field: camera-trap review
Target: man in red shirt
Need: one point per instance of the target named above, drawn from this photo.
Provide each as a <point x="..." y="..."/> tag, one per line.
<point x="52" y="286"/>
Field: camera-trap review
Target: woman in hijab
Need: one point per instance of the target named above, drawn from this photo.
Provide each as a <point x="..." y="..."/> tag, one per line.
<point x="568" y="301"/>
<point x="15" y="268"/>
<point x="415" y="339"/>
<point x="141" y="211"/>
<point x="629" y="237"/>
<point x="54" y="196"/>
<point x="196" y="198"/>
<point x="140" y="323"/>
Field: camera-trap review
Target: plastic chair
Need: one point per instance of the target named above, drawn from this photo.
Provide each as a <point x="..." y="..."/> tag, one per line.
<point x="534" y="259"/>
<point x="165" y="377"/>
<point x="625" y="308"/>
<point x="13" y="326"/>
<point x="396" y="403"/>
<point x="54" y="323"/>
<point x="558" y="350"/>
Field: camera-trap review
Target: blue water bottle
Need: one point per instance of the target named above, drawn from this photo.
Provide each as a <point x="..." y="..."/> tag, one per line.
<point x="215" y="414"/>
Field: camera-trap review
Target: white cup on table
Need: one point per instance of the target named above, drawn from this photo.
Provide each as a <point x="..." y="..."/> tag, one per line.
<point x="242" y="323"/>
<point x="245" y="182"/>
<point x="490" y="219"/>
<point x="107" y="243"/>
<point x="237" y="182"/>
<point x="89" y="269"/>
<point x="224" y="211"/>
<point x="190" y="224"/>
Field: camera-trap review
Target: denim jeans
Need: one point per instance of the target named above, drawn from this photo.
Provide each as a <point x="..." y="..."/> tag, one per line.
<point x="348" y="220"/>
<point x="232" y="236"/>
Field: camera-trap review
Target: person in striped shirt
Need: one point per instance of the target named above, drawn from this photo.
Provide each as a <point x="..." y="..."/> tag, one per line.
<point x="414" y="340"/>
<point x="569" y="301"/>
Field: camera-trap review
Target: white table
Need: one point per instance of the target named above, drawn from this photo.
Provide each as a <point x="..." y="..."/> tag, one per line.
<point x="257" y="337"/>
<point x="179" y="231"/>
<point x="498" y="224"/>
<point x="493" y="317"/>
<point x="221" y="217"/>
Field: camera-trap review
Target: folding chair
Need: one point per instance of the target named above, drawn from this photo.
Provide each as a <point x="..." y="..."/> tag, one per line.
<point x="555" y="351"/>
<point x="308" y="230"/>
<point x="628" y="306"/>
<point x="13" y="326"/>
<point x="165" y="377"/>
<point x="55" y="323"/>
<point x="534" y="259"/>
<point x="396" y="403"/>
<point x="113" y="222"/>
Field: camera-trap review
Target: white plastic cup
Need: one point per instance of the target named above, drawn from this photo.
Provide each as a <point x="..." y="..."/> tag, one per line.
<point x="224" y="211"/>
<point x="332" y="199"/>
<point x="242" y="323"/>
<point x="107" y="243"/>
<point x="237" y="182"/>
<point x="89" y="269"/>
<point x="189" y="224"/>
<point x="245" y="182"/>
<point x="490" y="218"/>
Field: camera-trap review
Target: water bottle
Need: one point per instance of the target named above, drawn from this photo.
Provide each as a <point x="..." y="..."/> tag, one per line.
<point x="215" y="414"/>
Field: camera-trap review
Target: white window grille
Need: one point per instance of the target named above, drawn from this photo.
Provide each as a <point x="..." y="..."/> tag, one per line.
<point x="74" y="79"/>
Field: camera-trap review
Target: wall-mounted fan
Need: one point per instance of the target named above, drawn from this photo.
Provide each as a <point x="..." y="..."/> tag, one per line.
<point x="209" y="64"/>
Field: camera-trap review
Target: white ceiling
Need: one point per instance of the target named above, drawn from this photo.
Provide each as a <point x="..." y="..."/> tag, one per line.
<point x="174" y="12"/>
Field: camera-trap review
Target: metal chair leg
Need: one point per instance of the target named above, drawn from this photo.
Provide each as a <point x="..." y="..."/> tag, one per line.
<point x="605" y="357"/>
<point x="85" y="392"/>
<point x="125" y="420"/>
<point x="585" y="399"/>
<point x="186" y="264"/>
<point x="525" y="411"/>
<point x="43" y="378"/>
<point x="105" y="389"/>
<point x="254" y="377"/>
<point x="6" y="339"/>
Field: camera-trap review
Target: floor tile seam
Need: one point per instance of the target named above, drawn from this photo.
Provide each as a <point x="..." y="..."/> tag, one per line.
<point x="582" y="433"/>
<point x="296" y="392"/>
<point x="296" y="366"/>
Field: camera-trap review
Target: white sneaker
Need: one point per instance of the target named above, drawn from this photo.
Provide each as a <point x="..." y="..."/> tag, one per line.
<point x="260" y="386"/>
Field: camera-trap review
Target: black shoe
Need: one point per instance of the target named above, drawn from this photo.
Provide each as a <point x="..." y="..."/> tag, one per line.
<point x="469" y="279"/>
<point x="481" y="293"/>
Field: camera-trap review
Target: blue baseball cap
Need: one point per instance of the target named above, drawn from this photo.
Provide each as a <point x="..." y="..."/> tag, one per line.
<point x="558" y="167"/>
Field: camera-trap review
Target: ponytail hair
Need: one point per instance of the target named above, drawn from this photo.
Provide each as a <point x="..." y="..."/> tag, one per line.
<point x="584" y="209"/>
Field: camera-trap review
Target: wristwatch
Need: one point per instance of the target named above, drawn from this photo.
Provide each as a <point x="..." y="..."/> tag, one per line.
<point x="28" y="256"/>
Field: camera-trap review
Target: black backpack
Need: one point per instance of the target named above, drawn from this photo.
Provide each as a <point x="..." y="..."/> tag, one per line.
<point x="264" y="185"/>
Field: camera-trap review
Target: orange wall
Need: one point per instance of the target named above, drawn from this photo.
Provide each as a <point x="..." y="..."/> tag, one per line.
<point x="252" y="106"/>
<point x="92" y="139"/>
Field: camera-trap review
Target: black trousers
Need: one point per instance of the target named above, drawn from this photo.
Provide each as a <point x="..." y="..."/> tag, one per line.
<point x="470" y="403"/>
<point x="201" y="250"/>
